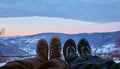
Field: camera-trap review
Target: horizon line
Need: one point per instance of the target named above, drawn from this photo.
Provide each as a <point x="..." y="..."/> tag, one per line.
<point x="60" y="33"/>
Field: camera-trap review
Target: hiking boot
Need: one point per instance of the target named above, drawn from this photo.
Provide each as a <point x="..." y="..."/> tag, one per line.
<point x="69" y="48"/>
<point x="84" y="49"/>
<point x="55" y="48"/>
<point x="42" y="49"/>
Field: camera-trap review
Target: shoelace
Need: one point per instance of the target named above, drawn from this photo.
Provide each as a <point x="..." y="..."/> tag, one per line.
<point x="70" y="50"/>
<point x="42" y="52"/>
<point x="55" y="52"/>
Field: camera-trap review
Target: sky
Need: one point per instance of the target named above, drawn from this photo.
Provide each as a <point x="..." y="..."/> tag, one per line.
<point x="27" y="17"/>
<point x="35" y="25"/>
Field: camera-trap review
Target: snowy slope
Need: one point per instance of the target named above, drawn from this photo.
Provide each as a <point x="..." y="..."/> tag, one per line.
<point x="2" y="64"/>
<point x="100" y="41"/>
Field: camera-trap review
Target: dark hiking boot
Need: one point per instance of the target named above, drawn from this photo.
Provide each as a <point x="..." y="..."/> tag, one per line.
<point x="55" y="48"/>
<point x="69" y="48"/>
<point x="42" y="49"/>
<point x="84" y="49"/>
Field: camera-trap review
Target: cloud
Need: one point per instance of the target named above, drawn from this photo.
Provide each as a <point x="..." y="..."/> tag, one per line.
<point x="87" y="10"/>
<point x="33" y="25"/>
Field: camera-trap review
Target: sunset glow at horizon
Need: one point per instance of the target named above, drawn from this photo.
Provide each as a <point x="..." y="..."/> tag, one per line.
<point x="34" y="25"/>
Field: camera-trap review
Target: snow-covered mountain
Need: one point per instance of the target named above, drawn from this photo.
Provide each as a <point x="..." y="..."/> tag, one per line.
<point x="18" y="45"/>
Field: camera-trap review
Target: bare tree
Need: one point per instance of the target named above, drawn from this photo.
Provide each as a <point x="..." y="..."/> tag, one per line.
<point x="2" y="31"/>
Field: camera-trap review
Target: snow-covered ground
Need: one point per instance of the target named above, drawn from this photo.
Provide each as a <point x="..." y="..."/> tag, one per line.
<point x="28" y="44"/>
<point x="105" y="49"/>
<point x="116" y="60"/>
<point x="2" y="64"/>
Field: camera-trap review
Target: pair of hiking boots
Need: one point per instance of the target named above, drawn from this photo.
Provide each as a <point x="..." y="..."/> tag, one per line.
<point x="83" y="48"/>
<point x="69" y="48"/>
<point x="55" y="48"/>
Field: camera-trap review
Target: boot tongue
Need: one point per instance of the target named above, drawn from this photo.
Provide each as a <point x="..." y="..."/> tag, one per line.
<point x="86" y="52"/>
<point x="71" y="51"/>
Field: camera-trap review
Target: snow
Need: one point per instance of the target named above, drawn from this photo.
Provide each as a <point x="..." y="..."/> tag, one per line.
<point x="30" y="51"/>
<point x="2" y="64"/>
<point x="116" y="60"/>
<point x="105" y="48"/>
<point x="12" y="41"/>
<point x="28" y="44"/>
<point x="5" y="43"/>
<point x="33" y="40"/>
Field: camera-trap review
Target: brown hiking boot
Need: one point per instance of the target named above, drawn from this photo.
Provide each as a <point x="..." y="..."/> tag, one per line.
<point x="55" y="48"/>
<point x="42" y="49"/>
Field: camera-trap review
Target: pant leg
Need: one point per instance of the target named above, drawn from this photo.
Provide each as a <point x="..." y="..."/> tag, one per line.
<point x="76" y="62"/>
<point x="54" y="63"/>
<point x="110" y="64"/>
<point x="24" y="64"/>
<point x="92" y="62"/>
<point x="115" y="66"/>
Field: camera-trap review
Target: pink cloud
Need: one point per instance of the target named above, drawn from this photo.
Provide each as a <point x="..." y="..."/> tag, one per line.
<point x="34" y="25"/>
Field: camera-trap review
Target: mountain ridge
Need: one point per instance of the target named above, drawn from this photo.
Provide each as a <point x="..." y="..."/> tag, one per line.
<point x="28" y="43"/>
